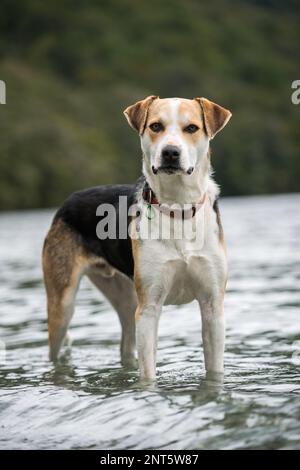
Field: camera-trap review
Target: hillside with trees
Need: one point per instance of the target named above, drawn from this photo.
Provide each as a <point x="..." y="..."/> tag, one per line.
<point x="71" y="67"/>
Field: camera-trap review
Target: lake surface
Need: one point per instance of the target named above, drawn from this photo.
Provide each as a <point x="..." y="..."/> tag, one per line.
<point x="89" y="402"/>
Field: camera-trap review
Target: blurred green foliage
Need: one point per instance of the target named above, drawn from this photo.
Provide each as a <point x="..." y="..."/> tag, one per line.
<point x="71" y="67"/>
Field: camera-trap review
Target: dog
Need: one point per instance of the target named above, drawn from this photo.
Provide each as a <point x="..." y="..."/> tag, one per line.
<point x="139" y="275"/>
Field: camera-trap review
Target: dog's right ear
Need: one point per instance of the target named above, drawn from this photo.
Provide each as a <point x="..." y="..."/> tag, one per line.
<point x="136" y="114"/>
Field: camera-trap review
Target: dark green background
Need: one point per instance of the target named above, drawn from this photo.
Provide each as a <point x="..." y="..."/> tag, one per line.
<point x="72" y="66"/>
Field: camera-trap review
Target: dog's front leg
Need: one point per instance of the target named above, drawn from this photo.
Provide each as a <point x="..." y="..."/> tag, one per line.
<point x="147" y="318"/>
<point x="213" y="334"/>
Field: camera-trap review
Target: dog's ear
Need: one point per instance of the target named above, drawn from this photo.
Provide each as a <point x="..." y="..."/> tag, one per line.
<point x="136" y="114"/>
<point x="215" y="117"/>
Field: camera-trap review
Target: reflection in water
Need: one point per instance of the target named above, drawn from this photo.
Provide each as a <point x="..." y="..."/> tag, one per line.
<point x="86" y="400"/>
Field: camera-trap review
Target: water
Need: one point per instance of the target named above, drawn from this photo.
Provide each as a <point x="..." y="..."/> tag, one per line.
<point x="88" y="401"/>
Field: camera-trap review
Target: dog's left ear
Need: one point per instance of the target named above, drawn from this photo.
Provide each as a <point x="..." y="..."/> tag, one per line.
<point x="215" y="117"/>
<point x="136" y="114"/>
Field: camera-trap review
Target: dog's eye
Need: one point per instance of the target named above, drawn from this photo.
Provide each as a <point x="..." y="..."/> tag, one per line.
<point x="156" y="127"/>
<point x="191" y="129"/>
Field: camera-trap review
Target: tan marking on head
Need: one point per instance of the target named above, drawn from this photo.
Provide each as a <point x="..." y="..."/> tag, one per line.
<point x="160" y="111"/>
<point x="189" y="113"/>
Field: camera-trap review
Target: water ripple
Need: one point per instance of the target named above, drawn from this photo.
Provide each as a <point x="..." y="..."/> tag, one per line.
<point x="88" y="401"/>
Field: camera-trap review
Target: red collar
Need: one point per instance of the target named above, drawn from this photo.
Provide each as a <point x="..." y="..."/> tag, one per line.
<point x="150" y="198"/>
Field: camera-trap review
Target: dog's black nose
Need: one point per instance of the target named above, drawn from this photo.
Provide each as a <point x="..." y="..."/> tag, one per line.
<point x="170" y="154"/>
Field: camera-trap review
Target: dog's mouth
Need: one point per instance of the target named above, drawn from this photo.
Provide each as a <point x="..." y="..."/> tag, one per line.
<point x="172" y="170"/>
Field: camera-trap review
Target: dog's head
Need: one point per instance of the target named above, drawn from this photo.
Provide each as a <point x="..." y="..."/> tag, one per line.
<point x="175" y="132"/>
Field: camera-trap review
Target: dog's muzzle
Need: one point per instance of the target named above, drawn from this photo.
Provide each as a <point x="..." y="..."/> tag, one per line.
<point x="170" y="161"/>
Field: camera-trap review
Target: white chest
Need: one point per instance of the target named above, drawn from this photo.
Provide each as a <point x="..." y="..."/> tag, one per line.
<point x="177" y="258"/>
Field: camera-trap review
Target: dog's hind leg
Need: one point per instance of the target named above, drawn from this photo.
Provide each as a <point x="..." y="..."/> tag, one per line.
<point x="63" y="266"/>
<point x="120" y="292"/>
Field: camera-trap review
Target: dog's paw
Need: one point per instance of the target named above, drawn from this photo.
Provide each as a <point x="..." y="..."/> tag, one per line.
<point x="129" y="362"/>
